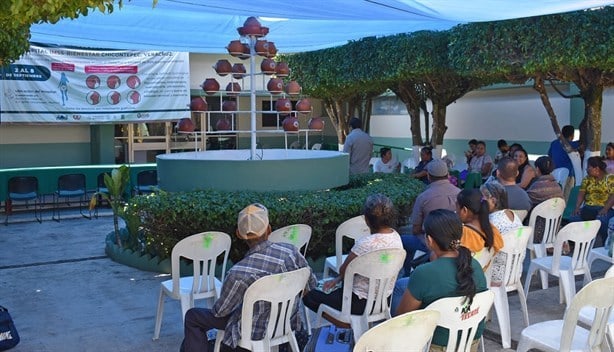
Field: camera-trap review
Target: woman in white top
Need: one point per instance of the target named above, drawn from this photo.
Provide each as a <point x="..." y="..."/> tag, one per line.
<point x="503" y="219"/>
<point x="386" y="163"/>
<point x="380" y="216"/>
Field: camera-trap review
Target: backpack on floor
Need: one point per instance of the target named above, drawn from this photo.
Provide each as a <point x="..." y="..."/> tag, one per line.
<point x="9" y="337"/>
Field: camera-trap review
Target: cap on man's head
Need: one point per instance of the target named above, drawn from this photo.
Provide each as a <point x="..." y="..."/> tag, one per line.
<point x="437" y="168"/>
<point x="253" y="221"/>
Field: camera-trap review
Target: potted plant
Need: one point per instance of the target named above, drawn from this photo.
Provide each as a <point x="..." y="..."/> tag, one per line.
<point x="116" y="184"/>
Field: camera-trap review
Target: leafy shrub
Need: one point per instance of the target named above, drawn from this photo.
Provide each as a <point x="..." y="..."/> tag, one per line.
<point x="167" y="218"/>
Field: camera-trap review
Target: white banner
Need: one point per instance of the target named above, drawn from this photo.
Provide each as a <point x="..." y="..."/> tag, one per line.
<point x="59" y="85"/>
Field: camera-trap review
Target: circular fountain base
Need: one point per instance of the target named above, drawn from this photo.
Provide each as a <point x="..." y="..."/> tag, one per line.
<point x="273" y="170"/>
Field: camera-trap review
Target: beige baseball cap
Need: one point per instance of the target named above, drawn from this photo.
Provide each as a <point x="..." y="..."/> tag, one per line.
<point x="253" y="221"/>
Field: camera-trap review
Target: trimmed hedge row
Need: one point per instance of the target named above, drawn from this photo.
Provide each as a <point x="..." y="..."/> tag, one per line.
<point x="167" y="218"/>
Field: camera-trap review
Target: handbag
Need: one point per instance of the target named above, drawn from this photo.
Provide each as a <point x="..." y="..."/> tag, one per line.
<point x="9" y="337"/>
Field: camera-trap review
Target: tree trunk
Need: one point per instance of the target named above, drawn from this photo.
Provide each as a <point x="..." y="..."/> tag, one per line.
<point x="412" y="98"/>
<point x="593" y="100"/>
<point x="439" y="123"/>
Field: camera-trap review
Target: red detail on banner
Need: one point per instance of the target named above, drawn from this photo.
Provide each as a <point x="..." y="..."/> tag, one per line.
<point x="111" y="69"/>
<point x="62" y="66"/>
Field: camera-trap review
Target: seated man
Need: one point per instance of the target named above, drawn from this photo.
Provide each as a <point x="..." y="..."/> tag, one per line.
<point x="517" y="198"/>
<point x="263" y="258"/>
<point x="386" y="163"/>
<point x="439" y="194"/>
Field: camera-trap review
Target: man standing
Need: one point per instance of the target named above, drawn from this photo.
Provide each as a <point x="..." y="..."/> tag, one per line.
<point x="439" y="194"/>
<point x="557" y="152"/>
<point x="517" y="198"/>
<point x="360" y="147"/>
<point x="263" y="258"/>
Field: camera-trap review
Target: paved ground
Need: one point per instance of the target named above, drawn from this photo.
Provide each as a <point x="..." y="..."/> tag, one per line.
<point x="66" y="295"/>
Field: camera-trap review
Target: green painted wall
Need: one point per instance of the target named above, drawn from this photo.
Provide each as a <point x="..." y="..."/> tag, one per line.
<point x="102" y="144"/>
<point x="44" y="154"/>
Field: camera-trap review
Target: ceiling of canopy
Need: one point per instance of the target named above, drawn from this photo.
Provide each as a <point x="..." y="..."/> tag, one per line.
<point x="206" y="26"/>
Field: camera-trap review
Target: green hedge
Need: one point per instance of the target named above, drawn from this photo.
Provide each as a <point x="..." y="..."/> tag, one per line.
<point x="166" y="218"/>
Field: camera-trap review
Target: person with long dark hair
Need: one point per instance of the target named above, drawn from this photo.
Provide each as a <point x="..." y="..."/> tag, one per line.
<point x="452" y="271"/>
<point x="479" y="236"/>
<point x="526" y="172"/>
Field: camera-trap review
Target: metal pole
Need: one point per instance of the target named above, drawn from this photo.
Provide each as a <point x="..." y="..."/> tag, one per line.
<point x="252" y="89"/>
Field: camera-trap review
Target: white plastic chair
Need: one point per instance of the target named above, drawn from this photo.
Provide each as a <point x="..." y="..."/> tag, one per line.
<point x="565" y="267"/>
<point x="203" y="249"/>
<point x="316" y="146"/>
<point x="587" y="314"/>
<point x="600" y="253"/>
<point x="297" y="235"/>
<point x="514" y="249"/>
<point x="550" y="212"/>
<point x="406" y="332"/>
<point x="459" y="318"/>
<point x="520" y="213"/>
<point x="381" y="268"/>
<point x="566" y="335"/>
<point x="281" y="291"/>
<point x="354" y="228"/>
<point x="560" y="174"/>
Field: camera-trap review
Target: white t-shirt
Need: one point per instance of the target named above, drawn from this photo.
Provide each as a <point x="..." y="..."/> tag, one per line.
<point x="369" y="244"/>
<point x="388" y="168"/>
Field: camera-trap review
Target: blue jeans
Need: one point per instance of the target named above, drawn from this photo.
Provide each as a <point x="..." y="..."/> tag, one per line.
<point x="399" y="288"/>
<point x="411" y="244"/>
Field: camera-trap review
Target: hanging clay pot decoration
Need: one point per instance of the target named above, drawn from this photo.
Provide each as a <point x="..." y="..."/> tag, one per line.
<point x="223" y="125"/>
<point x="290" y="123"/>
<point x="246" y="52"/>
<point x="293" y="88"/>
<point x="275" y="85"/>
<point x="211" y="86"/>
<point x="283" y="105"/>
<point x="316" y="123"/>
<point x="235" y="48"/>
<point x="303" y="106"/>
<point x="238" y="71"/>
<point x="223" y="67"/>
<point x="251" y="26"/>
<point x="268" y="66"/>
<point x="233" y="88"/>
<point x="185" y="125"/>
<point x="198" y="104"/>
<point x="272" y="50"/>
<point x="229" y="105"/>
<point x="264" y="31"/>
<point x="282" y="69"/>
<point x="262" y="47"/>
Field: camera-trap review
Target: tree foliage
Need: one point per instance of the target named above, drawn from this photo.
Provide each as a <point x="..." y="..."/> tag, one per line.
<point x="573" y="47"/>
<point x="16" y="16"/>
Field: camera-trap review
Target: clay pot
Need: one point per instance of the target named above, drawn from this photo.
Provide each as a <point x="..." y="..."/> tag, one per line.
<point x="223" y="67"/>
<point x="290" y="124"/>
<point x="303" y="106"/>
<point x="185" y="125"/>
<point x="233" y="88"/>
<point x="235" y="48"/>
<point x="223" y="125"/>
<point x="211" y="86"/>
<point x="293" y="88"/>
<point x="283" y="105"/>
<point x="268" y="66"/>
<point x="272" y="50"/>
<point x="246" y="52"/>
<point x="282" y="69"/>
<point x="229" y="105"/>
<point x="261" y="47"/>
<point x="238" y="71"/>
<point x="198" y="104"/>
<point x="316" y="123"/>
<point x="251" y="26"/>
<point x="275" y="85"/>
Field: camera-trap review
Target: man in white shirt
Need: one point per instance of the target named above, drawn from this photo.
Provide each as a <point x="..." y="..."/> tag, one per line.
<point x="386" y="163"/>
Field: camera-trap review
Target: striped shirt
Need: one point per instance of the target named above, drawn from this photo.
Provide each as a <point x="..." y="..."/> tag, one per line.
<point x="265" y="258"/>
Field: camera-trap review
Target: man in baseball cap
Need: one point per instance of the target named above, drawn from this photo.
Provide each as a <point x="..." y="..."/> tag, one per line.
<point x="263" y="258"/>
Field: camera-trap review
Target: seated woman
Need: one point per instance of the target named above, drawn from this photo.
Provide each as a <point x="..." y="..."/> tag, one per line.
<point x="526" y="172"/>
<point x="380" y="216"/>
<point x="609" y="158"/>
<point x="426" y="155"/>
<point x="452" y="272"/>
<point x="386" y="163"/>
<point x="481" y="162"/>
<point x="544" y="185"/>
<point x="481" y="237"/>
<point x="596" y="196"/>
<point x="503" y="219"/>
